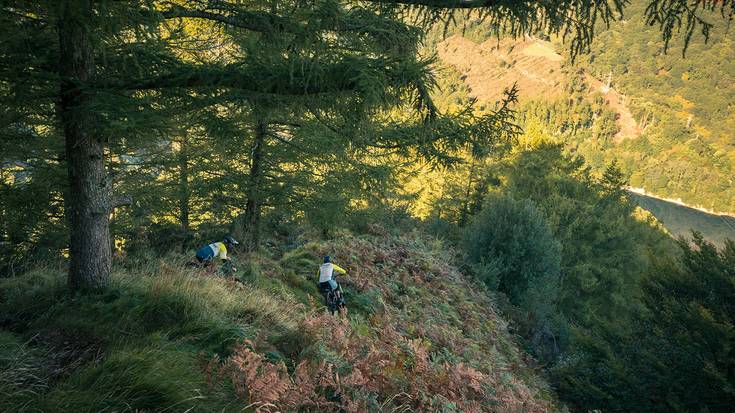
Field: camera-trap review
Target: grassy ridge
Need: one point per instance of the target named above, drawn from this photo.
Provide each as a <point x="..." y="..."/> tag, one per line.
<point x="417" y="337"/>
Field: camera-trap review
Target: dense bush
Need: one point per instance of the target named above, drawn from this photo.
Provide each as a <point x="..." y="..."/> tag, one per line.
<point x="512" y="247"/>
<point x="691" y="331"/>
<point x="676" y="356"/>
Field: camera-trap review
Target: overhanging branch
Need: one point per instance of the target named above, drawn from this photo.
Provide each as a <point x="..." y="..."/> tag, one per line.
<point x="120" y="200"/>
<point x="329" y="78"/>
<point x="250" y="20"/>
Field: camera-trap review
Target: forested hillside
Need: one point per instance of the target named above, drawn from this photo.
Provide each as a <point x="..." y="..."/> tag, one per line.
<point x="673" y="126"/>
<point x="683" y="106"/>
<point x="301" y="206"/>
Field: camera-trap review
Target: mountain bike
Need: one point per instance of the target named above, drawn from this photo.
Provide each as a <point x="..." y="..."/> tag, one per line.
<point x="334" y="300"/>
<point x="227" y="269"/>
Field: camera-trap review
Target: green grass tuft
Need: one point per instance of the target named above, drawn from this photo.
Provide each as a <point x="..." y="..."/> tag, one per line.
<point x="145" y="343"/>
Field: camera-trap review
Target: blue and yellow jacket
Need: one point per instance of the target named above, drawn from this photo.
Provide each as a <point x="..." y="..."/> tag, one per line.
<point x="212" y="251"/>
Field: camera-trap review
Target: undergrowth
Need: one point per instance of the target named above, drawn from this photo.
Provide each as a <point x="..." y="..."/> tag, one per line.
<point x="417" y="337"/>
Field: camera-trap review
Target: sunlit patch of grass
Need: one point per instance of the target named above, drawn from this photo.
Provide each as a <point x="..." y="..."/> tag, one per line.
<point x="133" y="347"/>
<point x="158" y="377"/>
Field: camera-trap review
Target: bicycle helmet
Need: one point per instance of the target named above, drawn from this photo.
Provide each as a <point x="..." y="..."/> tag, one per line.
<point x="230" y="241"/>
<point x="327" y="259"/>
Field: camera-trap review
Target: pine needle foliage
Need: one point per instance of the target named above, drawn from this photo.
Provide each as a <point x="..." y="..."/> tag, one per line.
<point x="145" y="67"/>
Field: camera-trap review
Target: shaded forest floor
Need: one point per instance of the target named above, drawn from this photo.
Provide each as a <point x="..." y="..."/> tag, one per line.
<point x="418" y="337"/>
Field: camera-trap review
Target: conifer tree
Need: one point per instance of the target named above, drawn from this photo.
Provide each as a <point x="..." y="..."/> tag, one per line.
<point x="96" y="72"/>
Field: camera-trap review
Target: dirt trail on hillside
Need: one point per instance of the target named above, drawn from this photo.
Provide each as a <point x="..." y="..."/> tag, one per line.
<point x="627" y="125"/>
<point x="492" y="66"/>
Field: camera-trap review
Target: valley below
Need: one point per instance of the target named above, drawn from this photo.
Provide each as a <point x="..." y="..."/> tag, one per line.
<point x="541" y="74"/>
<point x="680" y="219"/>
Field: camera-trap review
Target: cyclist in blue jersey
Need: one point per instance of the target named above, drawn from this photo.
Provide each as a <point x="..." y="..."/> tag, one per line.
<point x="208" y="253"/>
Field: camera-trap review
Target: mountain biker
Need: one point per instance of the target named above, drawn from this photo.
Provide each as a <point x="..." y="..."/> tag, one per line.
<point x="208" y="253"/>
<point x="327" y="283"/>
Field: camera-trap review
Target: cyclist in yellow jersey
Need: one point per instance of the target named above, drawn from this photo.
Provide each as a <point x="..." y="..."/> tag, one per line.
<point x="329" y="287"/>
<point x="326" y="275"/>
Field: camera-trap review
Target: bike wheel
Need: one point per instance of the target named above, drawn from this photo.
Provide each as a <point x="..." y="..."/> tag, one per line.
<point x="339" y="301"/>
<point x="330" y="302"/>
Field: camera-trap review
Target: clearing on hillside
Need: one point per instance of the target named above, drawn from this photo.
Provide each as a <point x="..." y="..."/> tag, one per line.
<point x="492" y="66"/>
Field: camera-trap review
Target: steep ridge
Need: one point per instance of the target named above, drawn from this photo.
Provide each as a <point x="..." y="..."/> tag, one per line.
<point x="418" y="337"/>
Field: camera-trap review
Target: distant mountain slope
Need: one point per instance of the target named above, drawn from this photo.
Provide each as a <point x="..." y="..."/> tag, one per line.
<point x="492" y="66"/>
<point x="534" y="66"/>
<point x="684" y="104"/>
<point x="674" y="115"/>
<point x="653" y="153"/>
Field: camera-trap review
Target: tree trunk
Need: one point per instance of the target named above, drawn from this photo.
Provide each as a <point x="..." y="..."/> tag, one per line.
<point x="184" y="191"/>
<point x="463" y="214"/>
<point x="87" y="201"/>
<point x="251" y="220"/>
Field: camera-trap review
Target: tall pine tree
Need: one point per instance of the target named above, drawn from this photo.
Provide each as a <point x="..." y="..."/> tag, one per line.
<point x="96" y="72"/>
